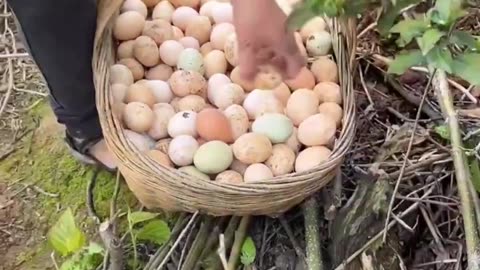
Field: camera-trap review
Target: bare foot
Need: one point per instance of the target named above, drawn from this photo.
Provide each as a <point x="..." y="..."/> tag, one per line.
<point x="101" y="152"/>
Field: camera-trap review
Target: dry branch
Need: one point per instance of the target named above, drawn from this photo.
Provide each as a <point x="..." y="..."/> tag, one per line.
<point x="312" y="237"/>
<point x="240" y="235"/>
<point x="462" y="172"/>
<point x="112" y="244"/>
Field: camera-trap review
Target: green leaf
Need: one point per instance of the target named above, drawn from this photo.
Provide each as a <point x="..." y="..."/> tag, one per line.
<point x="441" y="59"/>
<point x="140" y="216"/>
<point x="429" y="39"/>
<point x="446" y="12"/>
<point x="443" y="131"/>
<point x="404" y="61"/>
<point x="94" y="248"/>
<point x="409" y="29"/>
<point x="475" y="173"/>
<point x="156" y="231"/>
<point x="467" y="66"/>
<point x="249" y="252"/>
<point x="64" y="236"/>
<point x="390" y="13"/>
<point x="462" y="38"/>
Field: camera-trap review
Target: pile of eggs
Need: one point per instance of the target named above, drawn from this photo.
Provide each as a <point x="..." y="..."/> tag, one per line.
<point x="176" y="87"/>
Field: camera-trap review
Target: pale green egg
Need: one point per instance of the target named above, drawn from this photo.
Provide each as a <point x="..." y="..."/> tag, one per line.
<point x="191" y="60"/>
<point x="213" y="157"/>
<point x="192" y="171"/>
<point x="277" y="127"/>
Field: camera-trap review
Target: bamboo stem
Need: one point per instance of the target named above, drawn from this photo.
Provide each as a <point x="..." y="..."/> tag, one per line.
<point x="462" y="172"/>
<point x="312" y="238"/>
<point x="240" y="235"/>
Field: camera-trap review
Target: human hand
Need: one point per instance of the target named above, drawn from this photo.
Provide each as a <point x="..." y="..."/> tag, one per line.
<point x="263" y="39"/>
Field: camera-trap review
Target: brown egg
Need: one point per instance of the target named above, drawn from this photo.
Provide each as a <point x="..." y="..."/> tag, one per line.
<point x="248" y="86"/>
<point x="302" y="104"/>
<point x="229" y="177"/>
<point x="231" y="49"/>
<point x="121" y="74"/>
<point x="182" y="15"/>
<point x="325" y="70"/>
<point x="151" y="3"/>
<point x="138" y="117"/>
<point x="160" y="158"/>
<point x="333" y="110"/>
<point x="191" y="103"/>
<point x="188" y="3"/>
<point x="190" y="42"/>
<point x="215" y="62"/>
<point x="219" y="35"/>
<point x="252" y="148"/>
<point x="159" y="30"/>
<point x="177" y="33"/>
<point x="311" y="158"/>
<point x="206" y="48"/>
<point x="135" y="67"/>
<point x="125" y="49"/>
<point x="282" y="160"/>
<point x="159" y="72"/>
<point x="119" y="91"/>
<point x="316" y="130"/>
<point x="129" y="25"/>
<point x="139" y="92"/>
<point x="163" y="10"/>
<point x="257" y="172"/>
<point x="135" y="5"/>
<point x="267" y="79"/>
<point x="200" y="28"/>
<point x="185" y="82"/>
<point x="304" y="79"/>
<point x="328" y="92"/>
<point x="213" y="125"/>
<point x="146" y="51"/>
<point x="282" y="93"/>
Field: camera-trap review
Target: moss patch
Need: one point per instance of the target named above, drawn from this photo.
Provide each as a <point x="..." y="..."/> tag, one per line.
<point x="43" y="160"/>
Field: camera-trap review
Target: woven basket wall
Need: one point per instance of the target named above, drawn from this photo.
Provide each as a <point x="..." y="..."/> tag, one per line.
<point x="159" y="187"/>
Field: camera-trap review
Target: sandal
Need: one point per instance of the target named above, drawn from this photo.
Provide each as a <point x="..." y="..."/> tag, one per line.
<point x="79" y="149"/>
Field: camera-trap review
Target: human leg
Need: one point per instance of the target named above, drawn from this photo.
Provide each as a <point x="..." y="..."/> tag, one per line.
<point x="59" y="35"/>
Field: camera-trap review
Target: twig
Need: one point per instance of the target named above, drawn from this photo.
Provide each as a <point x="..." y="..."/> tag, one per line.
<point x="39" y="190"/>
<point x="10" y="84"/>
<point x="90" y="197"/>
<point x="238" y="242"/>
<point x="185" y="230"/>
<point x="222" y="251"/>
<point x="462" y="172"/>
<point x="113" y="202"/>
<point x="211" y="242"/>
<point x="364" y="86"/>
<point x="13" y="55"/>
<point x="162" y="252"/>
<point x="404" y="165"/>
<point x="185" y="246"/>
<point x="52" y="256"/>
<point x="198" y="245"/>
<point x="229" y="235"/>
<point x="379" y="235"/>
<point x="113" y="245"/>
<point x="290" y="235"/>
<point x="312" y="237"/>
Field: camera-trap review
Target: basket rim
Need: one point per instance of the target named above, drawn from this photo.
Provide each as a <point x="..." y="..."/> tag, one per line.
<point x="131" y="159"/>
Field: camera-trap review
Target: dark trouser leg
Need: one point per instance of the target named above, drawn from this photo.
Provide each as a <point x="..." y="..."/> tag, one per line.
<point x="60" y="36"/>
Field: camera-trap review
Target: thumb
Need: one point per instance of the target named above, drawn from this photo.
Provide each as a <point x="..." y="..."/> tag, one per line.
<point x="248" y="64"/>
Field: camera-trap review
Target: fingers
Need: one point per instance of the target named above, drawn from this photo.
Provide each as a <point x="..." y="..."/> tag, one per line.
<point x="248" y="64"/>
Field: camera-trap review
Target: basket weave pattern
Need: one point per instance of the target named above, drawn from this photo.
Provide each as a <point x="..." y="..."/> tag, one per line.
<point x="159" y="187"/>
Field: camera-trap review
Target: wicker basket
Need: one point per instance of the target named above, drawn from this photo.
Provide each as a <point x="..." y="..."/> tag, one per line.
<point x="159" y="187"/>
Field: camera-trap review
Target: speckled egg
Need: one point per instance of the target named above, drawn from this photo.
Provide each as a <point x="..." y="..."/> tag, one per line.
<point x="192" y="60"/>
<point x="252" y="148"/>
